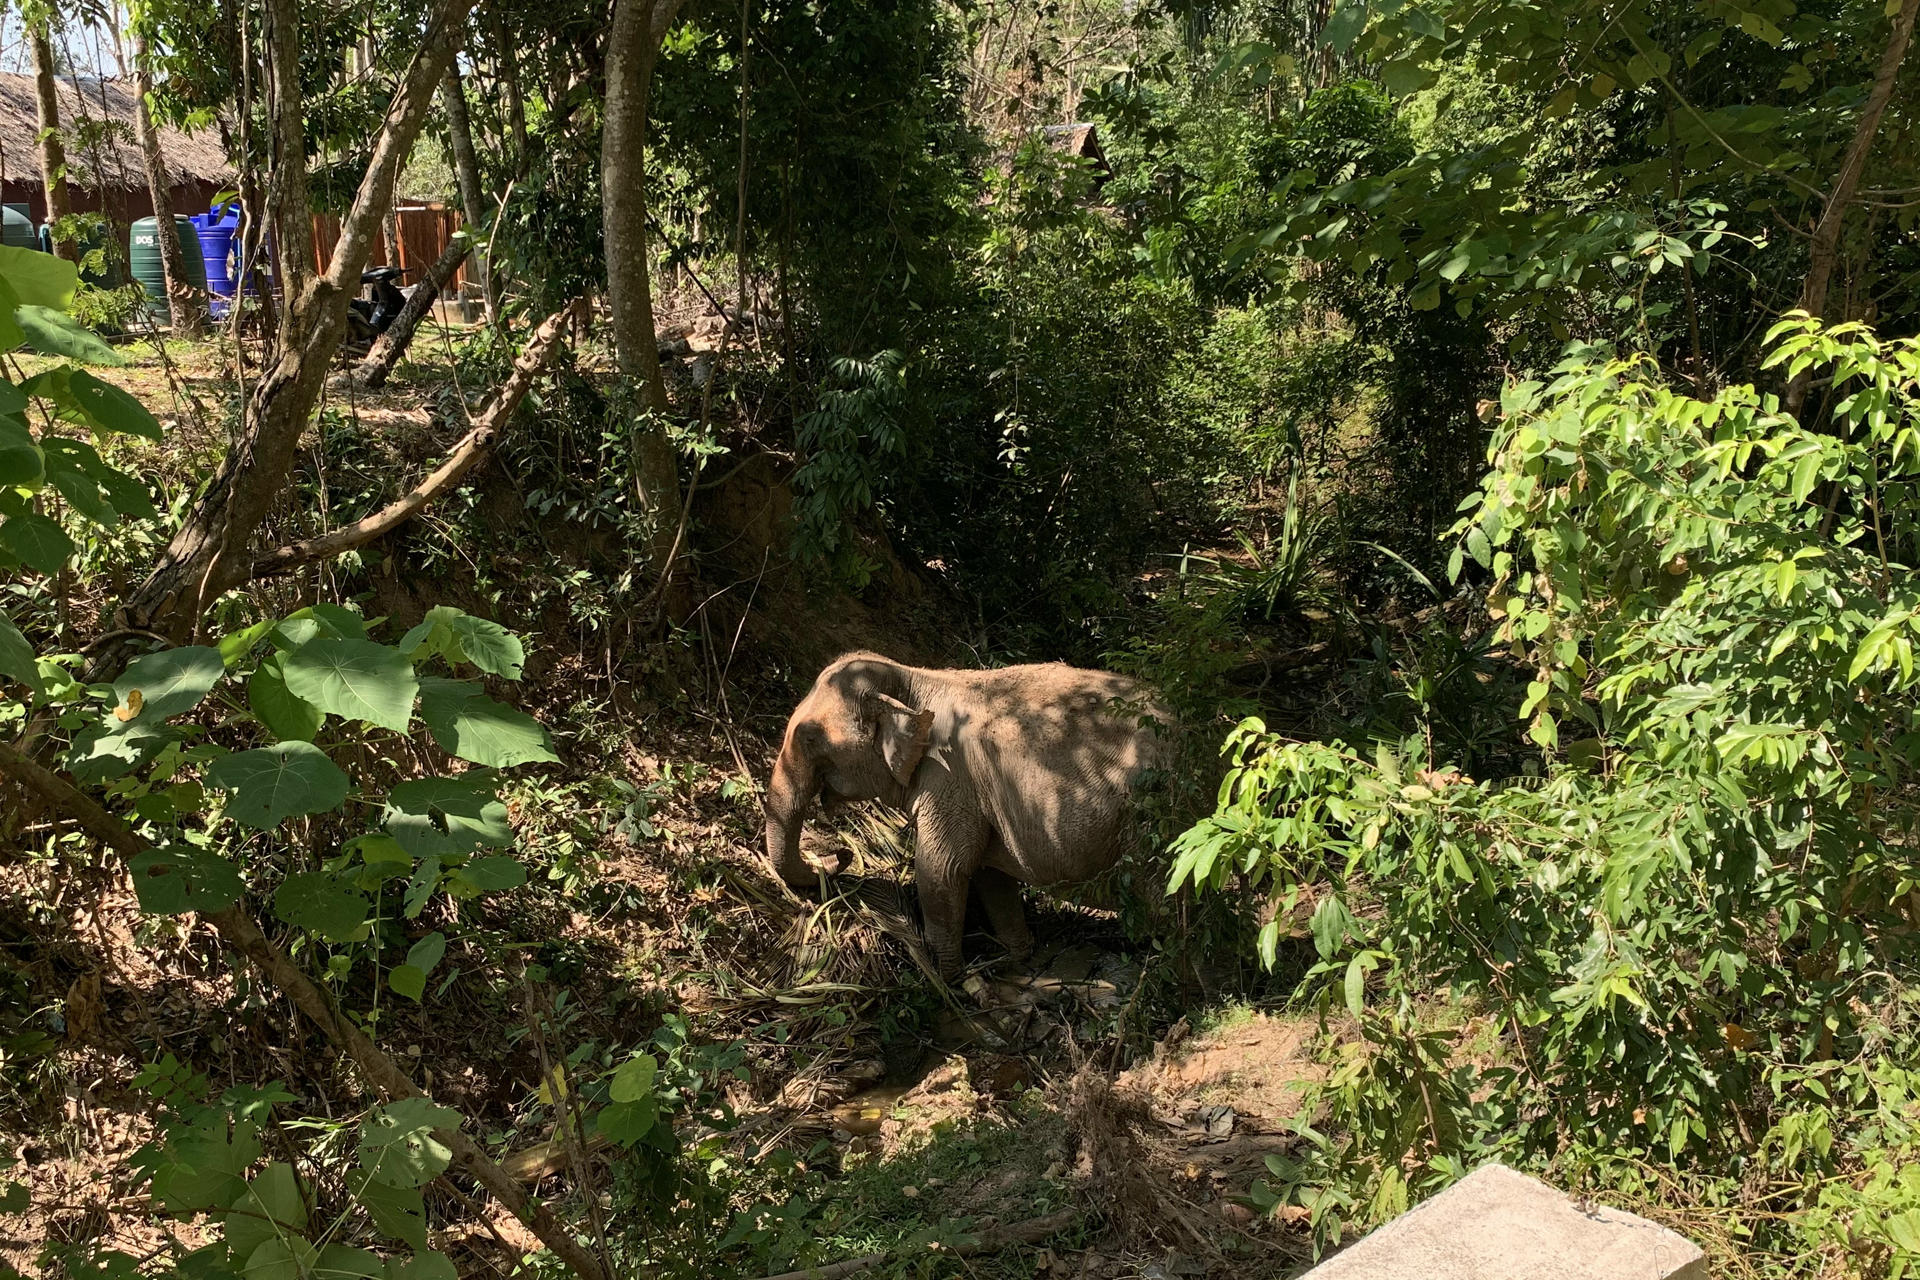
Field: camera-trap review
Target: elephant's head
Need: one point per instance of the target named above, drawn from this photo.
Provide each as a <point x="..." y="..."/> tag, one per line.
<point x="857" y="735"/>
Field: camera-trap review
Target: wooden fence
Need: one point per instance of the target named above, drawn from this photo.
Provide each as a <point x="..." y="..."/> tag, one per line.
<point x="424" y="230"/>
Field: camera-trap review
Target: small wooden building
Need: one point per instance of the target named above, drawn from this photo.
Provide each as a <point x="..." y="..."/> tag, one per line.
<point x="105" y="172"/>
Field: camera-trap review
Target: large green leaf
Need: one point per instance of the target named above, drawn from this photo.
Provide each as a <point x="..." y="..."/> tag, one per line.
<point x="54" y="333"/>
<point x="634" y="1078"/>
<point x="397" y="1212"/>
<point x="110" y="408"/>
<point x="410" y="979"/>
<point x="181" y="878"/>
<point x="625" y="1123"/>
<point x="447" y="816"/>
<point x="423" y="1265"/>
<point x="398" y="1146"/>
<point x="272" y="784"/>
<point x="461" y="637"/>
<point x="16" y="658"/>
<point x="344" y="1262"/>
<point x="468" y="724"/>
<point x="21" y="464"/>
<point x="170" y="682"/>
<point x="354" y="679"/>
<point x="11" y="334"/>
<point x="287" y="717"/>
<point x="317" y="902"/>
<point x="37" y="542"/>
<point x="38" y="279"/>
<point x="236" y="645"/>
<point x="205" y="1171"/>
<point x="109" y="749"/>
<point x="82" y="493"/>
<point x="271" y="1207"/>
<point x="129" y="495"/>
<point x="279" y="1258"/>
<point x="491" y="874"/>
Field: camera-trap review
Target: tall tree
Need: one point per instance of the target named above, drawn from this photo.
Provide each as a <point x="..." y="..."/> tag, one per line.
<point x="210" y="554"/>
<point x="633" y="50"/>
<point x="53" y="154"/>
<point x="1823" y="251"/>
<point x="185" y="303"/>
<point x="466" y="171"/>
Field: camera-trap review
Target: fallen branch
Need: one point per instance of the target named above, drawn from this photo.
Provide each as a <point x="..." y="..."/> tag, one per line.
<point x="241" y="933"/>
<point x="544" y="1159"/>
<point x="472" y="449"/>
<point x="391" y="345"/>
<point x="991" y="1240"/>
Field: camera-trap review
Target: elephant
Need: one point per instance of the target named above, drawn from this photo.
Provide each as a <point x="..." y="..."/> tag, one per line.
<point x="1015" y="775"/>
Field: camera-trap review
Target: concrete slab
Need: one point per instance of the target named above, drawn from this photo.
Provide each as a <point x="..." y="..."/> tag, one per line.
<point x="1496" y="1224"/>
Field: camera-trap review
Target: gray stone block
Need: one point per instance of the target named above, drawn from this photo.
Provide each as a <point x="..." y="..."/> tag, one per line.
<point x="1496" y="1224"/>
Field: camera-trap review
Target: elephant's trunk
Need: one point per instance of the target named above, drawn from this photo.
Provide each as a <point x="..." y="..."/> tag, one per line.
<point x="787" y="799"/>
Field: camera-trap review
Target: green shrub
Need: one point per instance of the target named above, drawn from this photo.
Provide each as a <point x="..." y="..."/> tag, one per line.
<point x="1695" y="917"/>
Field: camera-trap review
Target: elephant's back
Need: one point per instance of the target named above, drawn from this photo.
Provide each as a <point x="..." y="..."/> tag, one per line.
<point x="1057" y="752"/>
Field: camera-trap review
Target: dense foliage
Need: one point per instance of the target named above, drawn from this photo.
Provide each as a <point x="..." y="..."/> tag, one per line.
<point x="1694" y="910"/>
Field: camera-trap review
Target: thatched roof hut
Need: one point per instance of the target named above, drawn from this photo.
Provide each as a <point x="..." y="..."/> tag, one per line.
<point x="105" y="172"/>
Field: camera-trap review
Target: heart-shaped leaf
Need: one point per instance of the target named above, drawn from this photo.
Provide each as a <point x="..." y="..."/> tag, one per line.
<point x="447" y="816"/>
<point x="82" y="493"/>
<point x="37" y="542"/>
<point x="397" y="1212"/>
<point x="110" y="408"/>
<point x="181" y="878"/>
<point x="423" y="1265"/>
<point x="287" y="717"/>
<point x="315" y="901"/>
<point x="272" y="784"/>
<point x="634" y="1078"/>
<point x="170" y="682"/>
<point x="492" y="874"/>
<point x="354" y="679"/>
<point x="468" y="724"/>
<point x="461" y="637"/>
<point x="272" y="1206"/>
<point x="398" y="1146"/>
<point x="21" y="463"/>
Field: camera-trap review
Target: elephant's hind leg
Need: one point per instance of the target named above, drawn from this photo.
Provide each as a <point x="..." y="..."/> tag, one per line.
<point x="1000" y="895"/>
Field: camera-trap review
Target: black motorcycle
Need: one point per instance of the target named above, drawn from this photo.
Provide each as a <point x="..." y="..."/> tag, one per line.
<point x="369" y="317"/>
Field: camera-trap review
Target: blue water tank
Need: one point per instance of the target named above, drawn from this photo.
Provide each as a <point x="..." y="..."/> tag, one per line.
<point x="216" y="229"/>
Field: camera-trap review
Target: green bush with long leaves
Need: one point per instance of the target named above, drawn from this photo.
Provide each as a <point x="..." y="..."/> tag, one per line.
<point x="1693" y="921"/>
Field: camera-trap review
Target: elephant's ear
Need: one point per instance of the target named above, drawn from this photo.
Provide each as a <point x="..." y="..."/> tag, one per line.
<point x="902" y="733"/>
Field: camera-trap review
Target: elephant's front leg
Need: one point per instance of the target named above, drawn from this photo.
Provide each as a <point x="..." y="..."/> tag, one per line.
<point x="948" y="847"/>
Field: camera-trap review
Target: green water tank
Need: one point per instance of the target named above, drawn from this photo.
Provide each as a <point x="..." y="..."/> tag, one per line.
<point x="18" y="232"/>
<point x="143" y="256"/>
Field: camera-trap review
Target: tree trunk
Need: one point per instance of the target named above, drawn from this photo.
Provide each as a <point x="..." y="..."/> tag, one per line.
<point x="477" y="209"/>
<point x="391" y="345"/>
<point x="516" y="98"/>
<point x="1823" y="254"/>
<point x="186" y="304"/>
<point x="53" y="155"/>
<point x="633" y="47"/>
<point x="209" y="555"/>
